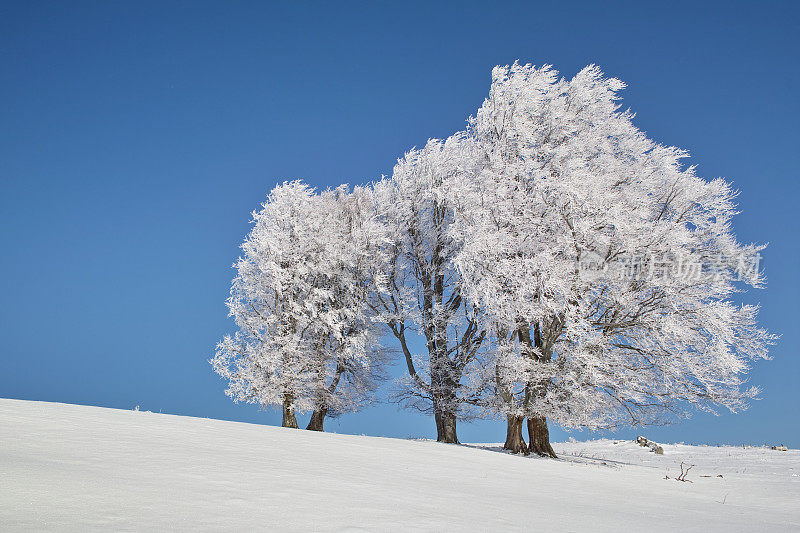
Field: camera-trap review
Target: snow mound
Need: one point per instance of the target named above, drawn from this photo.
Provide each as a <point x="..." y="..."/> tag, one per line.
<point x="76" y="468"/>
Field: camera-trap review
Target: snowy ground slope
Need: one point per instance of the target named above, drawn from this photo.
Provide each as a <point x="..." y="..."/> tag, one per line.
<point x="66" y="467"/>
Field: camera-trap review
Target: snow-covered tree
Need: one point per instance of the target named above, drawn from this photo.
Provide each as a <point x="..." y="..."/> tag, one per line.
<point x="556" y="262"/>
<point x="421" y="291"/>
<point x="604" y="266"/>
<point x="306" y="339"/>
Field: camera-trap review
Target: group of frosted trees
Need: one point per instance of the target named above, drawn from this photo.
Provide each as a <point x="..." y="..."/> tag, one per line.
<point x="549" y="262"/>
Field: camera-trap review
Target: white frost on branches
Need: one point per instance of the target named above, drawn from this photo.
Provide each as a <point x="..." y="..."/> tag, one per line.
<point x="305" y="334"/>
<point x="423" y="289"/>
<point x="567" y="179"/>
<point x="556" y="262"/>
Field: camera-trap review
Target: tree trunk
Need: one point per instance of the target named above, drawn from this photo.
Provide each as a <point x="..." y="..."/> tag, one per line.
<point x="317" y="418"/>
<point x="289" y="420"/>
<point x="446" y="427"/>
<point x="514" y="441"/>
<point x="539" y="437"/>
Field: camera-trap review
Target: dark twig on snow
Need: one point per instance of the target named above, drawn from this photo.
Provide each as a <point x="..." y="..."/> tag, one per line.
<point x="682" y="476"/>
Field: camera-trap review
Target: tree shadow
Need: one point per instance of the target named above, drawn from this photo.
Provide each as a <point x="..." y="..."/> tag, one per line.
<point x="575" y="458"/>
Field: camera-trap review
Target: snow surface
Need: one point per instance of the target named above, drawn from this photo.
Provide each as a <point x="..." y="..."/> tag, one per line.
<point x="76" y="468"/>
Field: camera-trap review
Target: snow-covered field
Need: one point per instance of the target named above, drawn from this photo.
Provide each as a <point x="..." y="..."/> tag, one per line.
<point x="76" y="468"/>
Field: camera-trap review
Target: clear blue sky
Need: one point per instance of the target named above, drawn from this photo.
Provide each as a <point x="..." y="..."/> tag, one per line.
<point x="136" y="137"/>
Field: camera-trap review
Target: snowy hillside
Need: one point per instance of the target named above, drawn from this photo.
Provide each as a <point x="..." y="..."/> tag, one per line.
<point x="67" y="467"/>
